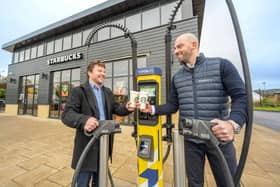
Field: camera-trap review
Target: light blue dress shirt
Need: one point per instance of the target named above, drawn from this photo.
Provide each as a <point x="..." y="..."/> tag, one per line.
<point x="98" y="92"/>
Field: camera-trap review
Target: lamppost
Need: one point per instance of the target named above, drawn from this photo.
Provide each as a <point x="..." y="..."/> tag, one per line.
<point x="263" y="91"/>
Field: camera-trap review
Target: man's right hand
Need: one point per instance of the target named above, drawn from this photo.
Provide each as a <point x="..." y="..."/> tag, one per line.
<point x="148" y="108"/>
<point x="91" y="124"/>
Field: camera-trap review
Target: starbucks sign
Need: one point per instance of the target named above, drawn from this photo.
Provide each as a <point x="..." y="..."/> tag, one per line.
<point x="65" y="58"/>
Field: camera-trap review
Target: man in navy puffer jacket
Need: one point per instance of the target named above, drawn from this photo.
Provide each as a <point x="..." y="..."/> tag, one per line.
<point x="201" y="90"/>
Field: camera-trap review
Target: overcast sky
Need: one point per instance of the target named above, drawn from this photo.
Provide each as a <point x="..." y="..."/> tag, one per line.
<point x="258" y="20"/>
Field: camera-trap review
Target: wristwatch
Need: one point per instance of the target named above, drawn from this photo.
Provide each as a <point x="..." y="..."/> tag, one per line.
<point x="236" y="127"/>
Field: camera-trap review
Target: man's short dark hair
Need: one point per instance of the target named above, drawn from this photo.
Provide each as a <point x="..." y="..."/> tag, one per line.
<point x="95" y="63"/>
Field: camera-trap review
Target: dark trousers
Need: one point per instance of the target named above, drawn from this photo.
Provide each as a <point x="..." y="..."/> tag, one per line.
<point x="195" y="161"/>
<point x="84" y="179"/>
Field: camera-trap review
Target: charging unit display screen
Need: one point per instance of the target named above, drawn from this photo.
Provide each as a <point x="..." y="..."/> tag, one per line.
<point x="151" y="87"/>
<point x="145" y="149"/>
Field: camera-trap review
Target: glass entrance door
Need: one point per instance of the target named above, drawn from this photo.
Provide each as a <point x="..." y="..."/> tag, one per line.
<point x="28" y="100"/>
<point x="28" y="96"/>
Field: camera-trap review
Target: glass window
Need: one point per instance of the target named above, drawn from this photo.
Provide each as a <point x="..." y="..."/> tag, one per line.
<point x="37" y="79"/>
<point x="34" y="52"/>
<point x="61" y="89"/>
<point x="117" y="32"/>
<point x="75" y="84"/>
<point x="103" y="34"/>
<point x="67" y="42"/>
<point x="65" y="75"/>
<point x="150" y="18"/>
<point x="40" y="50"/>
<point x="30" y="79"/>
<point x="141" y="63"/>
<point x="77" y="40"/>
<point x="166" y="12"/>
<point x="27" y="54"/>
<point x="50" y="47"/>
<point x="75" y="74"/>
<point x="85" y="35"/>
<point x="58" y="45"/>
<point x="120" y="68"/>
<point x="54" y="106"/>
<point x="120" y="86"/>
<point x="108" y="83"/>
<point x="16" y="55"/>
<point x="21" y="56"/>
<point x="56" y="76"/>
<point x="133" y="23"/>
<point x="108" y="69"/>
<point x="120" y="90"/>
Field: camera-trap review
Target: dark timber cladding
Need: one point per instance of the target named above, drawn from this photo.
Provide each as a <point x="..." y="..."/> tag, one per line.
<point x="45" y="67"/>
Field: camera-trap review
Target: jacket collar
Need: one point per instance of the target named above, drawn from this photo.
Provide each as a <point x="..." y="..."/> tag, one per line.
<point x="199" y="60"/>
<point x="90" y="97"/>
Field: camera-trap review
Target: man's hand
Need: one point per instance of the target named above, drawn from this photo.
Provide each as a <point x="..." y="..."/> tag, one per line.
<point x="129" y="107"/>
<point x="91" y="124"/>
<point x="148" y="108"/>
<point x="223" y="130"/>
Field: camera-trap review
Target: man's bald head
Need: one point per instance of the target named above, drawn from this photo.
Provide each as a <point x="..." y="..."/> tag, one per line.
<point x="186" y="48"/>
<point x="187" y="37"/>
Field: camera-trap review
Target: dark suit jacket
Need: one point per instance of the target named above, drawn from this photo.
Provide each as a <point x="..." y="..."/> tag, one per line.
<point x="80" y="106"/>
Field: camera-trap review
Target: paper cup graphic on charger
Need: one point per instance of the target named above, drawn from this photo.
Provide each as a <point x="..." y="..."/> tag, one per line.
<point x="143" y="98"/>
<point x="133" y="98"/>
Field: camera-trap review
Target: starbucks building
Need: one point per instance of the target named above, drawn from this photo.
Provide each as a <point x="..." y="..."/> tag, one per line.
<point x="47" y="63"/>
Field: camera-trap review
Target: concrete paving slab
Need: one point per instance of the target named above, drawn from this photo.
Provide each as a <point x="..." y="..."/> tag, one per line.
<point x="38" y="152"/>
<point x="30" y="178"/>
<point x="62" y="177"/>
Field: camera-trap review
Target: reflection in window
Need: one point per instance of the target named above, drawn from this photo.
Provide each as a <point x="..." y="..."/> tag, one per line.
<point x="67" y="42"/>
<point x="133" y="23"/>
<point x="58" y="45"/>
<point x="150" y="18"/>
<point x="62" y="83"/>
<point x="77" y="40"/>
<point x="50" y="47"/>
<point x="40" y="50"/>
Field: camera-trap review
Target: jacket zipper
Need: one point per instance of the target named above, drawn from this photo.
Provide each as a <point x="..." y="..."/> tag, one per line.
<point x="194" y="94"/>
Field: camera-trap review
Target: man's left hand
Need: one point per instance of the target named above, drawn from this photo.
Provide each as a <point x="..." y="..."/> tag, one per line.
<point x="129" y="107"/>
<point x="223" y="130"/>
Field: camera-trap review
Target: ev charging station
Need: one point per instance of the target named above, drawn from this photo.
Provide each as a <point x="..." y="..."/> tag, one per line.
<point x="149" y="130"/>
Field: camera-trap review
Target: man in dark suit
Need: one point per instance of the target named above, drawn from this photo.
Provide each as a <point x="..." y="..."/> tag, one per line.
<point x="87" y="104"/>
